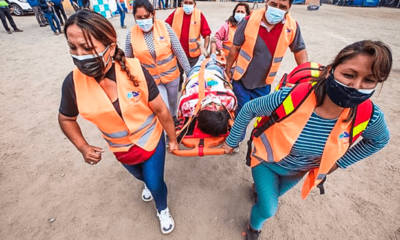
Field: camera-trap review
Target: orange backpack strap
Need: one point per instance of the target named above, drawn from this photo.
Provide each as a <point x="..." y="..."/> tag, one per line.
<point x="288" y="106"/>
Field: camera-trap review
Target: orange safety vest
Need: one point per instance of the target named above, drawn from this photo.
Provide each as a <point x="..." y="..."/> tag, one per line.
<point x="139" y="125"/>
<point x="274" y="143"/>
<point x="226" y="46"/>
<point x="194" y="29"/>
<point x="165" y="68"/>
<point x="251" y="33"/>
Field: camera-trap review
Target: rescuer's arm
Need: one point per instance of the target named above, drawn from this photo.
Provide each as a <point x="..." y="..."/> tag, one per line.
<point x="71" y="129"/>
<point x="205" y="31"/>
<point x="160" y="109"/>
<point x="301" y="56"/>
<point x="375" y="137"/>
<point x="262" y="106"/>
<point x="233" y="53"/>
<point x="298" y="47"/>
<point x="206" y="42"/>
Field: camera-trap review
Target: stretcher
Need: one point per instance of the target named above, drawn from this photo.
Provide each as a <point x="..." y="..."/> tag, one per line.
<point x="189" y="135"/>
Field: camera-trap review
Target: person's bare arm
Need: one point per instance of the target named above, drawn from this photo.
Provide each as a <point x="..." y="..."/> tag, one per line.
<point x="233" y="53"/>
<point x="160" y="109"/>
<point x="206" y="42"/>
<point x="301" y="56"/>
<point x="71" y="129"/>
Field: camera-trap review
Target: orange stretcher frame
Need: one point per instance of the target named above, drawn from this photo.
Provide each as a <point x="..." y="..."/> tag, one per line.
<point x="199" y="143"/>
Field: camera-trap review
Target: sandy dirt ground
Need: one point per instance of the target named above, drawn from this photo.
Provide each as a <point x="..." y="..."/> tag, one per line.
<point x="43" y="177"/>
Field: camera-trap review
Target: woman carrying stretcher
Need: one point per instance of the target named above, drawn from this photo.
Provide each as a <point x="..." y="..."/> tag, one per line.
<point x="312" y="126"/>
<point x="219" y="99"/>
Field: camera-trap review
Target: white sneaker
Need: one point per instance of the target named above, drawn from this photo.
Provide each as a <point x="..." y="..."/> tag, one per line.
<point x="146" y="194"/>
<point x="167" y="223"/>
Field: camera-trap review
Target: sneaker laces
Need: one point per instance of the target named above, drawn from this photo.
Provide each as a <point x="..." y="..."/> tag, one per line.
<point x="164" y="215"/>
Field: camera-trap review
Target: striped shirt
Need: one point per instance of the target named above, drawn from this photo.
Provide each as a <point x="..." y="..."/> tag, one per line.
<point x="149" y="39"/>
<point x="307" y="150"/>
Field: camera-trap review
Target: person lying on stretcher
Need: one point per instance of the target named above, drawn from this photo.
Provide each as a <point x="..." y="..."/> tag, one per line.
<point x="219" y="98"/>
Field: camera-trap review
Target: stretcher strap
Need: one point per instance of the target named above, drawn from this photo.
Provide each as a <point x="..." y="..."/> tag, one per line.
<point x="201" y="94"/>
<point x="202" y="89"/>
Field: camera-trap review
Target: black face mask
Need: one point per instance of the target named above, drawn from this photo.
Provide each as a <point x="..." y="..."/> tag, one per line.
<point x="90" y="66"/>
<point x="343" y="96"/>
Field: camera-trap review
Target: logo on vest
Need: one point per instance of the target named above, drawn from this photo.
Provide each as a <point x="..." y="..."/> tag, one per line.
<point x="288" y="30"/>
<point x="344" y="137"/>
<point x="161" y="39"/>
<point x="134" y="95"/>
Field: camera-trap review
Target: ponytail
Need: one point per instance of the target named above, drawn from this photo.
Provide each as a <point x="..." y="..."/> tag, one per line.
<point x="119" y="57"/>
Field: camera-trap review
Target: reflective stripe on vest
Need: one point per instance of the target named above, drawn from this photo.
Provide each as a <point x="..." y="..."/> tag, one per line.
<point x="275" y="143"/>
<point x="141" y="128"/>
<point x="226" y="46"/>
<point x="194" y="29"/>
<point x="165" y="68"/>
<point x="251" y="34"/>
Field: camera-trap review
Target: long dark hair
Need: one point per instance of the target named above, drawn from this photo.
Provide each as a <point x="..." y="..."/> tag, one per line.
<point x="96" y="26"/>
<point x="232" y="19"/>
<point x="381" y="65"/>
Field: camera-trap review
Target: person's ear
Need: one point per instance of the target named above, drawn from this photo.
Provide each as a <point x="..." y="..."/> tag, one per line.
<point x="113" y="48"/>
<point x="328" y="70"/>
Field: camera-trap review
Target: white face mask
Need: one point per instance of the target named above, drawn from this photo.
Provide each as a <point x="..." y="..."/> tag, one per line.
<point x="239" y="16"/>
<point x="274" y="15"/>
<point x="145" y="24"/>
<point x="188" y="8"/>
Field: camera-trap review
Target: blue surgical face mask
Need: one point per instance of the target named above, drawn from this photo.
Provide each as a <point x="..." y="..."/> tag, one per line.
<point x="239" y="16"/>
<point x="344" y="96"/>
<point x="145" y="24"/>
<point x="274" y="15"/>
<point x="188" y="8"/>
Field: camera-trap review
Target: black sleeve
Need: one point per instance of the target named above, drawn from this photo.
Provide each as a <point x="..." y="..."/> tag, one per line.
<point x="68" y="105"/>
<point x="151" y="85"/>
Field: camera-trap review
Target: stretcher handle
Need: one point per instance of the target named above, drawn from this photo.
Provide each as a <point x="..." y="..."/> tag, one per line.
<point x="195" y="152"/>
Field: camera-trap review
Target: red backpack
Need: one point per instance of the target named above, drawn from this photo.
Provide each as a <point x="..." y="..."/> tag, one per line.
<point x="304" y="72"/>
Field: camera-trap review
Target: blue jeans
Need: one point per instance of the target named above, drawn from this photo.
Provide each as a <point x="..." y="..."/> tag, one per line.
<point x="271" y="181"/>
<point x="59" y="8"/>
<point x="151" y="172"/>
<point x="159" y="4"/>
<point x="50" y="17"/>
<point x="244" y="95"/>
<point x="121" y="14"/>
